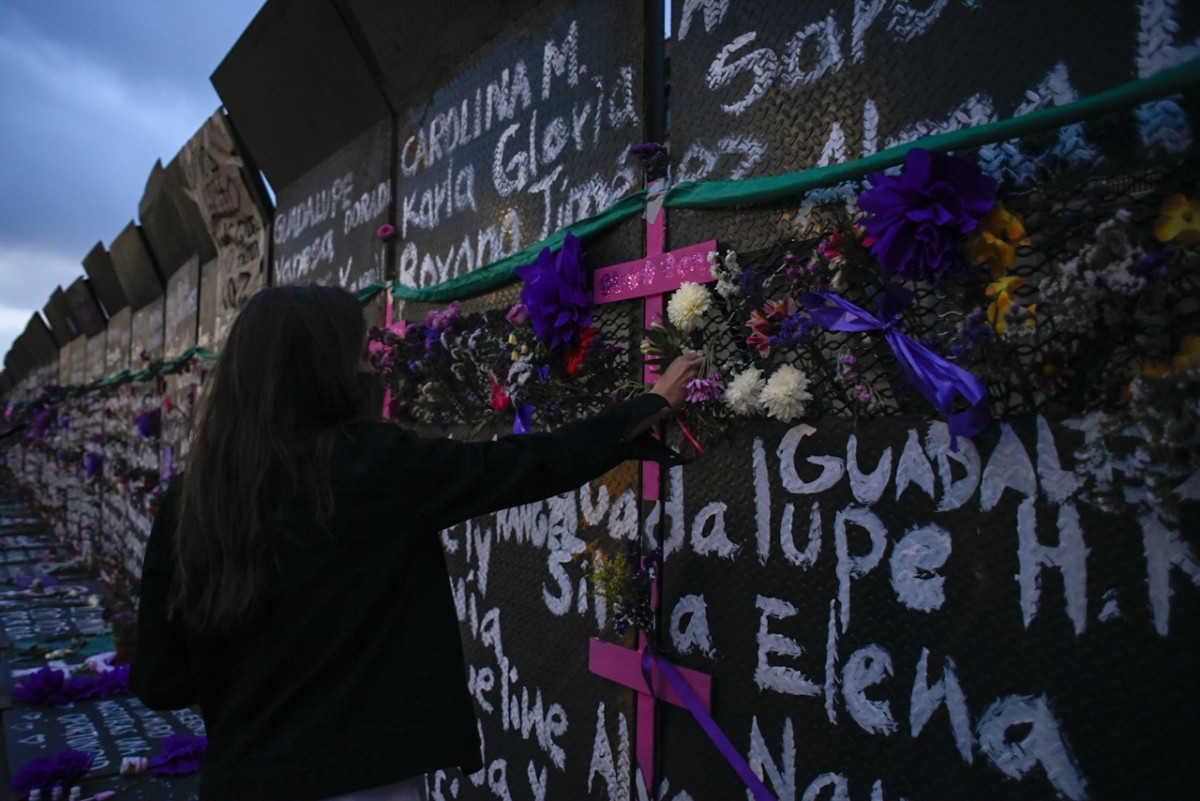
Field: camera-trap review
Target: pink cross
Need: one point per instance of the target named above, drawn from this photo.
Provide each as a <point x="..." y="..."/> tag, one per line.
<point x="650" y="278"/>
<point x="624" y="666"/>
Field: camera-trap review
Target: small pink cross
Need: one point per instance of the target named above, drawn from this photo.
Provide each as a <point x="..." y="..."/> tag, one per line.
<point x="624" y="666"/>
<point x="650" y="278"/>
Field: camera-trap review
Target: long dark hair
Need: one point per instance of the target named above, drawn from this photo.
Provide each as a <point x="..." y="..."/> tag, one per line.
<point x="286" y="375"/>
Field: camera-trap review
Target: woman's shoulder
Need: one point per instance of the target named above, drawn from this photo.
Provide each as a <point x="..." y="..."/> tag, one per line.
<point x="370" y="439"/>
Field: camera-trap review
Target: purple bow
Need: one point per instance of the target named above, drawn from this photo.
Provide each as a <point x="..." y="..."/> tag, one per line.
<point x="935" y="377"/>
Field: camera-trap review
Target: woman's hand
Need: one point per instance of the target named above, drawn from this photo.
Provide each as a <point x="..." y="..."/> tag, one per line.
<point x="673" y="384"/>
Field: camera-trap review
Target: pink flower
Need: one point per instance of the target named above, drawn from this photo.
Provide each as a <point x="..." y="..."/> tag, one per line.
<point x="705" y="389"/>
<point x="518" y="315"/>
<point x="386" y="231"/>
<point x="441" y="319"/>
<point x="500" y="399"/>
<point x="384" y="343"/>
<point x="765" y="326"/>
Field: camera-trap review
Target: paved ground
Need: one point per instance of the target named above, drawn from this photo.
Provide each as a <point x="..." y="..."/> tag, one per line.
<point x="52" y="614"/>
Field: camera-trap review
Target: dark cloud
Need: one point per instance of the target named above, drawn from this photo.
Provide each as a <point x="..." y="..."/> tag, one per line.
<point x="93" y="92"/>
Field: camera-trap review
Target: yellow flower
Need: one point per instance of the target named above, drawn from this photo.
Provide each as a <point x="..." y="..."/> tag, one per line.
<point x="1189" y="353"/>
<point x="1180" y="221"/>
<point x="998" y="308"/>
<point x="994" y="241"/>
<point x="1189" y="356"/>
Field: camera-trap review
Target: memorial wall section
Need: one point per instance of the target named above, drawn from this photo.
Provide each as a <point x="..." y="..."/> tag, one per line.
<point x="874" y="591"/>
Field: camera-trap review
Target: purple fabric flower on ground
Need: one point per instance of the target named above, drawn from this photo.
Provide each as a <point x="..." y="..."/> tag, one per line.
<point x="41" y="581"/>
<point x="108" y="684"/>
<point x="918" y="219"/>
<point x="181" y="753"/>
<point x="555" y="293"/>
<point x="65" y="768"/>
<point x="92" y="463"/>
<point x="44" y="687"/>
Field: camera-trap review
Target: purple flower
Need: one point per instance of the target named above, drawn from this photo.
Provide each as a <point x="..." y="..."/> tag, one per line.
<point x="65" y="768"/>
<point x="555" y="293"/>
<point x="42" y="421"/>
<point x="40" y="581"/>
<point x="517" y="316"/>
<point x="919" y="218"/>
<point x="793" y="329"/>
<point x="182" y="753"/>
<point x="44" y="687"/>
<point x="440" y="319"/>
<point x="103" y="685"/>
<point x="654" y="158"/>
<point x="386" y="231"/>
<point x="1051" y="373"/>
<point x="92" y="464"/>
<point x="705" y="389"/>
<point x="149" y="423"/>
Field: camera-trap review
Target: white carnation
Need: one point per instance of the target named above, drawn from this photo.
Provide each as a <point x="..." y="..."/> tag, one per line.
<point x="688" y="305"/>
<point x="785" y="394"/>
<point x="742" y="394"/>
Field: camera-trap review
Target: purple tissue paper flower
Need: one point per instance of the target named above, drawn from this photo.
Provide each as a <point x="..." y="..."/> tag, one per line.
<point x="108" y="684"/>
<point x="42" y="421"/>
<point x="66" y="768"/>
<point x="49" y="687"/>
<point x="43" y="581"/>
<point x="182" y="753"/>
<point x="92" y="463"/>
<point x="555" y="293"/>
<point x="149" y="423"/>
<point x="918" y="219"/>
<point x="44" y="687"/>
<point x="440" y="319"/>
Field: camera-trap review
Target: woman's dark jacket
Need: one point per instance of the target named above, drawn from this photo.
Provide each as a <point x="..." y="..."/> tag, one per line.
<point x="348" y="671"/>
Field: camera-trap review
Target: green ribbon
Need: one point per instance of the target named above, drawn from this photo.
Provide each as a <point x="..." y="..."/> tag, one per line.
<point x="500" y="272"/>
<point x="774" y="188"/>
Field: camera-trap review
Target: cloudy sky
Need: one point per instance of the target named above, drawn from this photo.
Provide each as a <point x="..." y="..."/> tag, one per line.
<point x="92" y="92"/>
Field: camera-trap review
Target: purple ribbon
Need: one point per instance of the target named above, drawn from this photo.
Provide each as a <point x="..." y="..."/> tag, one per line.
<point x="934" y="376"/>
<point x="651" y="658"/>
<point x="521" y="422"/>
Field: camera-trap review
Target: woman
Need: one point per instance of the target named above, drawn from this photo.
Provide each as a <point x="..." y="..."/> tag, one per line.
<point x="293" y="584"/>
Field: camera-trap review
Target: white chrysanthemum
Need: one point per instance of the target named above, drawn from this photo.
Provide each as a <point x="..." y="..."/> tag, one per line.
<point x="785" y="394"/>
<point x="742" y="393"/>
<point x="688" y="305"/>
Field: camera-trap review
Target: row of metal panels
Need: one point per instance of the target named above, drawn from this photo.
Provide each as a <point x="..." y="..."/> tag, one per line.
<point x="476" y="141"/>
